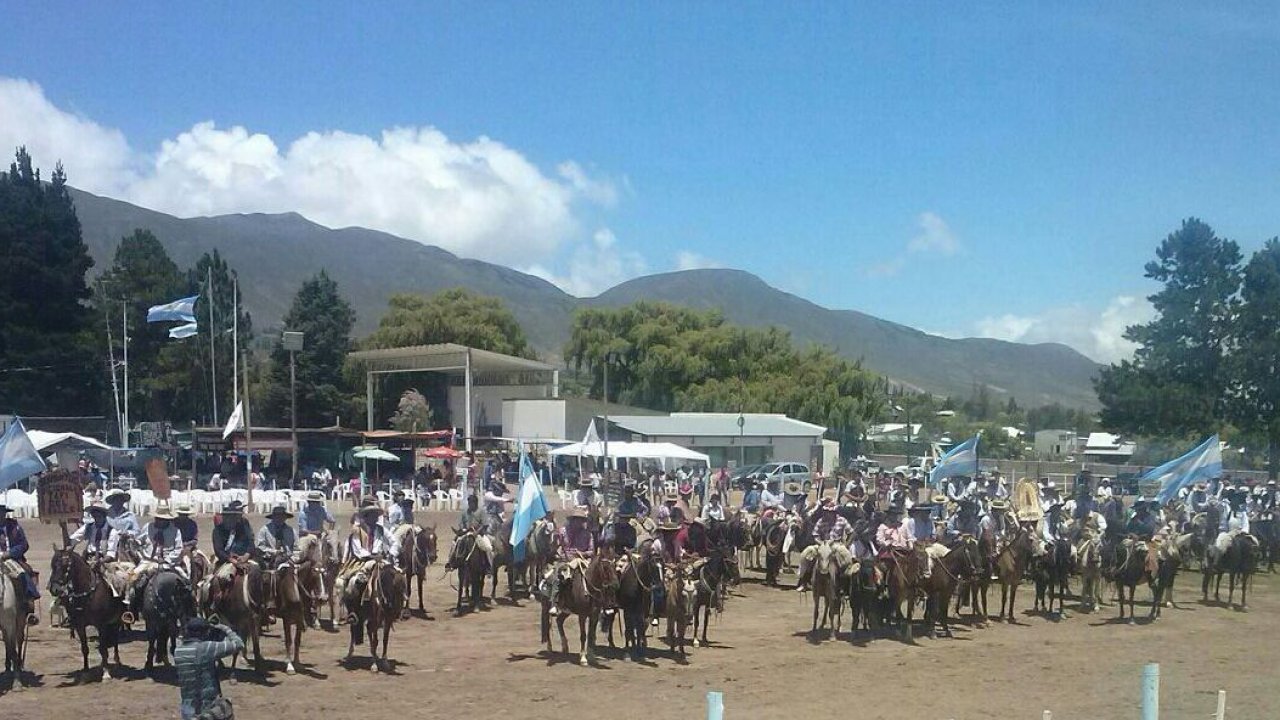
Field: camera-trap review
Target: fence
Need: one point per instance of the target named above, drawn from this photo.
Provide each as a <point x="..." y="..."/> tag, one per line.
<point x="1150" y="699"/>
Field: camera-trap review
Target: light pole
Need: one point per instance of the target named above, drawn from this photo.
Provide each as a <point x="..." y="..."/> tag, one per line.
<point x="609" y="358"/>
<point x="292" y="341"/>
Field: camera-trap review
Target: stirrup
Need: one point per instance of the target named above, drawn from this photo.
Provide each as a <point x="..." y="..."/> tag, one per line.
<point x="127" y="618"/>
<point x="32" y="619"/>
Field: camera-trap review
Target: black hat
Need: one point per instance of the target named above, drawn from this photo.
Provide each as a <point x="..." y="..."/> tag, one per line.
<point x="235" y="507"/>
<point x="370" y="505"/>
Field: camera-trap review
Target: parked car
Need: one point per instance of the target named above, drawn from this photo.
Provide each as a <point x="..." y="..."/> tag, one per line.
<point x="785" y="472"/>
<point x="743" y="477"/>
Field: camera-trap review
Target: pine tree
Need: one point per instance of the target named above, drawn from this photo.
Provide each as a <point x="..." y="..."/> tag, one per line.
<point x="325" y="318"/>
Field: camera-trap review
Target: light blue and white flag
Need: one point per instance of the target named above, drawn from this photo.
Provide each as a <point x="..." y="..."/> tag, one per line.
<point x="959" y="460"/>
<point x="1202" y="463"/>
<point x="18" y="456"/>
<point x="183" y="310"/>
<point x="183" y="331"/>
<point x="530" y="506"/>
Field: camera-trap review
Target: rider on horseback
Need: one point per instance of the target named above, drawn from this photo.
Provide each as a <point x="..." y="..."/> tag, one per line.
<point x="13" y="560"/>
<point x="233" y="547"/>
<point x="120" y="516"/>
<point x="369" y="542"/>
<point x="275" y="545"/>
<point x="1051" y="530"/>
<point x="829" y="529"/>
<point x="162" y="550"/>
<point x="1235" y="518"/>
<point x="401" y="511"/>
<point x="101" y="544"/>
<point x="965" y="521"/>
<point x="575" y="545"/>
<point x="315" y="517"/>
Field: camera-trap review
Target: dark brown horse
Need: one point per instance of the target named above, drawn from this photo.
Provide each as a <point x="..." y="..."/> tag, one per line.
<point x="167" y="604"/>
<point x="472" y="565"/>
<point x="376" y="612"/>
<point x="242" y="606"/>
<point x="1239" y="561"/>
<point x="82" y="588"/>
<point x="960" y="562"/>
<point x="1052" y="572"/>
<point x="640" y="571"/>
<point x="711" y="578"/>
<point x="504" y="557"/>
<point x="863" y="595"/>
<point x="293" y="606"/>
<point x="418" y="551"/>
<point x="588" y="594"/>
<point x="1129" y="570"/>
<point x="1008" y="567"/>
<point x="903" y="577"/>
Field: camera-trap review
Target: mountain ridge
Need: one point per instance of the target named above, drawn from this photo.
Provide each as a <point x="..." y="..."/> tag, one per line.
<point x="275" y="252"/>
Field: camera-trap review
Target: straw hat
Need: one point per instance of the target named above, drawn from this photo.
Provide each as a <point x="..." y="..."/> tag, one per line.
<point x="235" y="507"/>
<point x="163" y="512"/>
<point x="999" y="505"/>
<point x="315" y="496"/>
<point x="114" y="493"/>
<point x="182" y="509"/>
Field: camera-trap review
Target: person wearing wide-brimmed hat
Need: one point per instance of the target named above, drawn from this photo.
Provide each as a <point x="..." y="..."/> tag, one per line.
<point x="400" y="512"/>
<point x="120" y="516"/>
<point x="1234" y="519"/>
<point x="99" y="538"/>
<point x="315" y="517"/>
<point x="161" y="550"/>
<point x="793" y="497"/>
<point x="368" y="543"/>
<point x="996" y="524"/>
<point x="233" y="547"/>
<point x="830" y="531"/>
<point x="893" y="533"/>
<point x="575" y="545"/>
<point x="1051" y="530"/>
<point x="665" y="543"/>
<point x="965" y="521"/>
<point x="1143" y="522"/>
<point x="275" y="541"/>
<point x="13" y="559"/>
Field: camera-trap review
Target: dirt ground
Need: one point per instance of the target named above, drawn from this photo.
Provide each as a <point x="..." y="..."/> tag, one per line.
<point x="490" y="664"/>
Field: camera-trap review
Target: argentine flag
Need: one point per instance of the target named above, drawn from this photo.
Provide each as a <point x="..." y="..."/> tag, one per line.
<point x="530" y="506"/>
<point x="182" y="310"/>
<point x="959" y="460"/>
<point x="18" y="456"/>
<point x="179" y="332"/>
<point x="1202" y="463"/>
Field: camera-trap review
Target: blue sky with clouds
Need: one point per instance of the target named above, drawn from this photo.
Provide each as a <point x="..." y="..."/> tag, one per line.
<point x="1002" y="173"/>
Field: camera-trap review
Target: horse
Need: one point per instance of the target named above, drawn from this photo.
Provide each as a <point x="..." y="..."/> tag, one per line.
<point x="293" y="606"/>
<point x="504" y="557"/>
<point x="1267" y="530"/>
<point x="315" y="562"/>
<point x="587" y="594"/>
<point x="1239" y="561"/>
<point x="1167" y="562"/>
<point x="87" y="599"/>
<point x="13" y="625"/>
<point x="903" y="576"/>
<point x="1052" y="573"/>
<point x="825" y="580"/>
<point x="1008" y="568"/>
<point x="417" y="553"/>
<point x="711" y="577"/>
<point x="863" y="594"/>
<point x="746" y="534"/>
<point x="682" y="594"/>
<point x="377" y="611"/>
<point x="640" y="571"/>
<point x="242" y="606"/>
<point x="167" y="604"/>
<point x="774" y="536"/>
<point x="1089" y="561"/>
<point x="539" y="551"/>
<point x="472" y="565"/>
<point x="961" y="561"/>
<point x="1130" y="568"/>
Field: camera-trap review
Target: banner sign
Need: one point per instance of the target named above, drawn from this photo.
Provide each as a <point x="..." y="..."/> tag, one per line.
<point x="158" y="477"/>
<point x="60" y="497"/>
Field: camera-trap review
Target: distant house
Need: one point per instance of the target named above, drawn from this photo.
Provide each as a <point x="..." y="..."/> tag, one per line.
<point x="1056" y="443"/>
<point x="1103" y="447"/>
<point x="894" y="432"/>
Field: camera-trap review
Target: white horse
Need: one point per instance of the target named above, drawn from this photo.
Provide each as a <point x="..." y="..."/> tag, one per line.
<point x="13" y="626"/>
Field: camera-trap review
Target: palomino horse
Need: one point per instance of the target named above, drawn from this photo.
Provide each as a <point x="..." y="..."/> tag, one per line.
<point x="376" y="612"/>
<point x="587" y="593"/>
<point x="1239" y="561"/>
<point x="472" y="565"/>
<point x="960" y="562"/>
<point x="1052" y="572"/>
<point x="1089" y="560"/>
<point x="87" y="599"/>
<point x="1008" y="567"/>
<point x="639" y="572"/>
<point x="242" y="606"/>
<point x="825" y="580"/>
<point x="417" y="553"/>
<point x="13" y="625"/>
<point x="167" y="604"/>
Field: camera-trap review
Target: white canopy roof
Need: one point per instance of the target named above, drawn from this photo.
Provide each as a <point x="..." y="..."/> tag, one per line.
<point x="44" y="440"/>
<point x="652" y="451"/>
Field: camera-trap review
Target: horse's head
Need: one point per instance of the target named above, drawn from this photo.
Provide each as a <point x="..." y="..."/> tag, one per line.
<point x="428" y="545"/>
<point x="62" y="577"/>
<point x="602" y="576"/>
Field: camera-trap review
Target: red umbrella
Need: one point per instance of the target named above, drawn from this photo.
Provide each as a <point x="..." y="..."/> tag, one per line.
<point x="443" y="451"/>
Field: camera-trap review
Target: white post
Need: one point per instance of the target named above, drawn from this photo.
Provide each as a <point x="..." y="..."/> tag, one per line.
<point x="467" y="389"/>
<point x="235" y="338"/>
<point x="213" y="360"/>
<point x="124" y="319"/>
<point x="1222" y="705"/>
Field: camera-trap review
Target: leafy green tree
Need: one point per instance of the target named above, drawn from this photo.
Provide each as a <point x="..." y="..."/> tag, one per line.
<point x="1179" y="376"/>
<point x="451" y="316"/>
<point x="325" y="318"/>
<point x="1255" y="392"/>
<point x="142" y="275"/>
<point x="49" y="364"/>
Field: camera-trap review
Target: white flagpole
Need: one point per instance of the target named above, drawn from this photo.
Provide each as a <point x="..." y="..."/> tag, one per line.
<point x="111" y="358"/>
<point x="124" y="321"/>
<point x="235" y="334"/>
<point x="213" y="360"/>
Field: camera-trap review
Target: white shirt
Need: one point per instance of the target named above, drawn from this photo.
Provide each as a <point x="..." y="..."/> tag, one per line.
<point x="384" y="543"/>
<point x="770" y="499"/>
<point x="1234" y="520"/>
<point x="94" y="535"/>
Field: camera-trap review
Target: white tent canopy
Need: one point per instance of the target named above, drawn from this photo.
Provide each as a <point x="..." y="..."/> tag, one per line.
<point x="45" y="440"/>
<point x="640" y="450"/>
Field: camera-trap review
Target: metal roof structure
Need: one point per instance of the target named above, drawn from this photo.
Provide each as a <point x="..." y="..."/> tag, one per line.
<point x="716" y="425"/>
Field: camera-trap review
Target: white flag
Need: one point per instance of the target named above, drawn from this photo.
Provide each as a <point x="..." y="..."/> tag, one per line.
<point x="235" y="422"/>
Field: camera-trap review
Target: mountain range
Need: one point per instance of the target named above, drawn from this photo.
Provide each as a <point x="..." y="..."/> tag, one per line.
<point x="274" y="253"/>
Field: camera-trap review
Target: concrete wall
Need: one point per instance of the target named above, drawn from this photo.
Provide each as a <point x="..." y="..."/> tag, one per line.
<point x="486" y="407"/>
<point x="532" y="419"/>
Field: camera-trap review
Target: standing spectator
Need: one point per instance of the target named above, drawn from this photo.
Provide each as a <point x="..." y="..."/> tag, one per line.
<point x="353" y="490"/>
<point x="196" y="661"/>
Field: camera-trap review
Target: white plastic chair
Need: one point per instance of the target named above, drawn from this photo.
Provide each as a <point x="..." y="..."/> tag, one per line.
<point x="439" y="499"/>
<point x="455" y="498"/>
<point x="566" y="498"/>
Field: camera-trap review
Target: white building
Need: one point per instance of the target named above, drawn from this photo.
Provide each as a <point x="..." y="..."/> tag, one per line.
<point x="1103" y="447"/>
<point x="1056" y="444"/>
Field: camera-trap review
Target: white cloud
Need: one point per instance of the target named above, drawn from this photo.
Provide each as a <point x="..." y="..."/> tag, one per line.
<point x="687" y="260"/>
<point x="935" y="238"/>
<point x="1097" y="334"/>
<point x="594" y="266"/>
<point x="479" y="199"/>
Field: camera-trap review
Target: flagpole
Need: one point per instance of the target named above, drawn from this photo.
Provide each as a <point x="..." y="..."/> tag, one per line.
<point x="124" y="321"/>
<point x="235" y="334"/>
<point x="213" y="360"/>
<point x="248" y="434"/>
<point x="115" y="389"/>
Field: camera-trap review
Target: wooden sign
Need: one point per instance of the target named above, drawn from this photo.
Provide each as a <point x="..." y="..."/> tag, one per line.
<point x="158" y="477"/>
<point x="60" y="497"/>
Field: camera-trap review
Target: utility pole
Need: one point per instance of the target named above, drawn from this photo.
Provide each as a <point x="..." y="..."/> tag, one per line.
<point x="124" y="318"/>
<point x="248" y="433"/>
<point x="213" y="360"/>
<point x="292" y="341"/>
<point x="111" y="361"/>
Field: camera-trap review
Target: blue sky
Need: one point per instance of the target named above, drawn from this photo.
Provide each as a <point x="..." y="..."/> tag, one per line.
<point x="1003" y="173"/>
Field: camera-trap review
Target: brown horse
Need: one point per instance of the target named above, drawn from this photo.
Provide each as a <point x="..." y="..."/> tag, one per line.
<point x="293" y="605"/>
<point x="588" y="594"/>
<point x="903" y="570"/>
<point x="711" y="578"/>
<point x="682" y="594"/>
<point x="377" y="611"/>
<point x="418" y="551"/>
<point x="826" y="581"/>
<point x="472" y="565"/>
<point x="1052" y="572"/>
<point x="639" y="572"/>
<point x="961" y="561"/>
<point x="1239" y="561"/>
<point x="1130" y="569"/>
<point x="87" y="599"/>
<point x="539" y="551"/>
<point x="1009" y="565"/>
<point x="242" y="606"/>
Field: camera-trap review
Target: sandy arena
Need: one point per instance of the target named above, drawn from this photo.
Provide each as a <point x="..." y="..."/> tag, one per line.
<point x="490" y="664"/>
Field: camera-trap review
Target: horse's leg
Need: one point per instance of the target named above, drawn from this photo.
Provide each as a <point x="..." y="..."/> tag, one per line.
<point x="1244" y="584"/>
<point x="386" y="637"/>
<point x="256" y="633"/>
<point x="421" y="576"/>
<point x="544" y="626"/>
<point x="84" y="645"/>
<point x="816" y="599"/>
<point x="462" y="582"/>
<point x="564" y="639"/>
<point x="1217" y="585"/>
<point x="1013" y="595"/>
<point x="706" y="620"/>
<point x="287" y="624"/>
<point x="371" y="629"/>
<point x="106" y="639"/>
<point x="583" y="656"/>
<point x="351" y="642"/>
